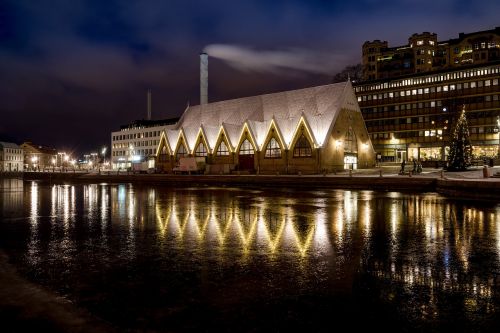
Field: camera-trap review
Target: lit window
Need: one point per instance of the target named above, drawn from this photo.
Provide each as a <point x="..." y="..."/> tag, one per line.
<point x="246" y="148"/>
<point x="181" y="152"/>
<point x="201" y="150"/>
<point x="420" y="42"/>
<point x="302" y="147"/>
<point x="222" y="149"/>
<point x="273" y="149"/>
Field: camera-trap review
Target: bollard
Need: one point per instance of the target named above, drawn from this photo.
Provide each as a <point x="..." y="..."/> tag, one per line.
<point x="409" y="174"/>
<point x="299" y="173"/>
<point x="380" y="173"/>
<point x="442" y="174"/>
<point x="350" y="173"/>
<point x="485" y="172"/>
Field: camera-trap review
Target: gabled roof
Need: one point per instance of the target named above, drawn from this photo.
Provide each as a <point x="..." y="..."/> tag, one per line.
<point x="319" y="106"/>
<point x="9" y="145"/>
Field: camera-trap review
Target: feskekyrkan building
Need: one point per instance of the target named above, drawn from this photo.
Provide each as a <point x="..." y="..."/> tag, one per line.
<point x="318" y="129"/>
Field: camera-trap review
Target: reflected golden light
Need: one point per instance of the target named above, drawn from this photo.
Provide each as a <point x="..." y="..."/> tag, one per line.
<point x="273" y="242"/>
<point x="246" y="236"/>
<point x="34" y="203"/>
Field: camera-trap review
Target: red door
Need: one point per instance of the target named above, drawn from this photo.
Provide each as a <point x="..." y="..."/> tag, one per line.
<point x="246" y="162"/>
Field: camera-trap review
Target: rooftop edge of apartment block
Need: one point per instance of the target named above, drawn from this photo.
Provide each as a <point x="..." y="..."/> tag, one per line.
<point x="424" y="53"/>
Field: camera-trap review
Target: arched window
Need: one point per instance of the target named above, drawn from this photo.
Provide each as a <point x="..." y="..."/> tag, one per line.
<point x="302" y="147"/>
<point x="181" y="152"/>
<point x="222" y="150"/>
<point x="201" y="150"/>
<point x="350" y="143"/>
<point x="273" y="149"/>
<point x="163" y="154"/>
<point x="246" y="148"/>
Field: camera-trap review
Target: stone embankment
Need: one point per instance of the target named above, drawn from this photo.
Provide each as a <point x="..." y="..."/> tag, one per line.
<point x="458" y="185"/>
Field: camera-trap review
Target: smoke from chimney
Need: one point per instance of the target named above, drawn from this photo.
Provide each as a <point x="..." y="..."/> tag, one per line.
<point x="203" y="78"/>
<point x="278" y="61"/>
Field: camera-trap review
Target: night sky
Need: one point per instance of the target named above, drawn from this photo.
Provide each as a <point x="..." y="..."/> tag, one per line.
<point x="72" y="71"/>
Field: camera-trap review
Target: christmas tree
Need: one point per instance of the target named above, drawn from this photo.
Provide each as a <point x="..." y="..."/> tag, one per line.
<point x="460" y="156"/>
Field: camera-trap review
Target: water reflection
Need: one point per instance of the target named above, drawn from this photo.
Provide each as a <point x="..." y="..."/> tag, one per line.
<point x="420" y="247"/>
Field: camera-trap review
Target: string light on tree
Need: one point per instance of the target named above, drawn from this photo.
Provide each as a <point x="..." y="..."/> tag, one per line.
<point x="460" y="157"/>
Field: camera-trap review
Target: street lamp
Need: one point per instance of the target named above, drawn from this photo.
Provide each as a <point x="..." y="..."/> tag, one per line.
<point x="103" y="152"/>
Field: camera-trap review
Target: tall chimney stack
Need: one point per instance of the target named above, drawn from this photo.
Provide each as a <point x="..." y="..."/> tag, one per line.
<point x="203" y="78"/>
<point x="149" y="104"/>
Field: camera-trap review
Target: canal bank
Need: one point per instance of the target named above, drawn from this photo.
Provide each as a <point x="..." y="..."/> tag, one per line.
<point x="25" y="306"/>
<point x="461" y="185"/>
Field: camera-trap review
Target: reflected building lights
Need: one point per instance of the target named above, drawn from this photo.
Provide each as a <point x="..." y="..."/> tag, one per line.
<point x="438" y="259"/>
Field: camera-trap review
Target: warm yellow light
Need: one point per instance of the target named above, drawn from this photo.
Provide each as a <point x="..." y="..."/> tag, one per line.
<point x="66" y="157"/>
<point x="338" y="143"/>
<point x="54" y="161"/>
<point x="34" y="159"/>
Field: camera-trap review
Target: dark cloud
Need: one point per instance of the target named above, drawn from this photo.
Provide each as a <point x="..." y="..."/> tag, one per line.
<point x="73" y="71"/>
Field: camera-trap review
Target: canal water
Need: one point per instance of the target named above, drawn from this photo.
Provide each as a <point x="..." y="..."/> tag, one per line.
<point x="152" y="258"/>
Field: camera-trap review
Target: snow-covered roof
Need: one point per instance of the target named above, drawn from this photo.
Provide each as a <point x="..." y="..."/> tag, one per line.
<point x="317" y="107"/>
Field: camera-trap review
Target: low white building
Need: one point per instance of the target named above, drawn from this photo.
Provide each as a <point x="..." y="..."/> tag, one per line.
<point x="136" y="142"/>
<point x="11" y="157"/>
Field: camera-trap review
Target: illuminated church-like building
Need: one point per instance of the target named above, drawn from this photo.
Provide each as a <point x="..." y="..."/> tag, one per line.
<point x="312" y="130"/>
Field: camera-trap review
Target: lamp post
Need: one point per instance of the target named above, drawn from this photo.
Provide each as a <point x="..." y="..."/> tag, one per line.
<point x="103" y="152"/>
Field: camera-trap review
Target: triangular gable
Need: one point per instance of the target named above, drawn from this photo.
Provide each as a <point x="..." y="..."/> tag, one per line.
<point x="277" y="134"/>
<point x="308" y="133"/>
<point x="181" y="140"/>
<point x="201" y="137"/>
<point x="247" y="129"/>
<point x="163" y="142"/>
<point x="227" y="142"/>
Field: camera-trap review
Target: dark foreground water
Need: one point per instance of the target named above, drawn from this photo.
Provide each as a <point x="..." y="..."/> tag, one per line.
<point x="228" y="259"/>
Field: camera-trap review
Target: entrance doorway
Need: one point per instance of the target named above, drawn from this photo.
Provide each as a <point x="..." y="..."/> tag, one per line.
<point x="400" y="155"/>
<point x="246" y="157"/>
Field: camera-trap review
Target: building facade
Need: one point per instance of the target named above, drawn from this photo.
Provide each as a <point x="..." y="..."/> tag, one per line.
<point x="136" y="142"/>
<point x="38" y="157"/>
<point x="425" y="53"/>
<point x="412" y="116"/>
<point x="11" y="157"/>
<point x="318" y="129"/>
